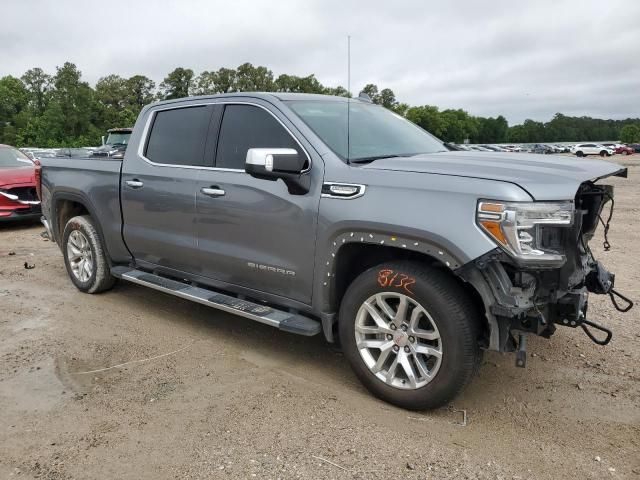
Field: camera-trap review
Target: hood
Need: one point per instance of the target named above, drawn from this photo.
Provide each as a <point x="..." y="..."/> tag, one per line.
<point x="17" y="175"/>
<point x="544" y="177"/>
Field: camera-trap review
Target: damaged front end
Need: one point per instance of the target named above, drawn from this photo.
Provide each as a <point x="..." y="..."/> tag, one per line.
<point x="542" y="272"/>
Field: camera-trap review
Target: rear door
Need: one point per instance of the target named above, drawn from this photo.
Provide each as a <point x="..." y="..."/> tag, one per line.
<point x="158" y="187"/>
<point x="254" y="233"/>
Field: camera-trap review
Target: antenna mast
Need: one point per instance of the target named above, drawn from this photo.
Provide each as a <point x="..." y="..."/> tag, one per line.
<point x="348" y="94"/>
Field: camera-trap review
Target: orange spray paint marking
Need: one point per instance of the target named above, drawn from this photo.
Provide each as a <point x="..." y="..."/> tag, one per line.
<point x="389" y="278"/>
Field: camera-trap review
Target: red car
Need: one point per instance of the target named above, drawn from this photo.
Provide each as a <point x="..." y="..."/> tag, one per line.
<point x="18" y="195"/>
<point x="620" y="149"/>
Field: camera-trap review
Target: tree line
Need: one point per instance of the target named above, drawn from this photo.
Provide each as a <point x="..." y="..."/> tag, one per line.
<point x="40" y="109"/>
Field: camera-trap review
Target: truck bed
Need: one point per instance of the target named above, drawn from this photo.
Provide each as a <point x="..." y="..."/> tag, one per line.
<point x="95" y="181"/>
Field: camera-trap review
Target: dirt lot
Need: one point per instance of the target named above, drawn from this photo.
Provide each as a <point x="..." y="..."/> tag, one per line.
<point x="234" y="399"/>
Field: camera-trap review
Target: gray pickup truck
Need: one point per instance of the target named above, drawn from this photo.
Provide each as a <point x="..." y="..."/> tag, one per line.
<point x="315" y="214"/>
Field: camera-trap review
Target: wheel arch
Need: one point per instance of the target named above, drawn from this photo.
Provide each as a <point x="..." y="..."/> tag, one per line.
<point x="353" y="253"/>
<point x="66" y="205"/>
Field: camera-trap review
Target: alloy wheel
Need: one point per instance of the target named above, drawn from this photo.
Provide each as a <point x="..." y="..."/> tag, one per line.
<point x="80" y="256"/>
<point x="398" y="340"/>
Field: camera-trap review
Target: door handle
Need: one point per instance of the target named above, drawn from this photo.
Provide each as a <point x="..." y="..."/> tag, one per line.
<point x="213" y="191"/>
<point x="135" y="183"/>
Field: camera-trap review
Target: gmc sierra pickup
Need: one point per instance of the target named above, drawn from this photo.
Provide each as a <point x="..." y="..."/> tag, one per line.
<point x="314" y="214"/>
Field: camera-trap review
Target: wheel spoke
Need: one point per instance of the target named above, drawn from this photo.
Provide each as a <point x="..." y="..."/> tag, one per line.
<point x="373" y="343"/>
<point x="368" y="329"/>
<point x="425" y="334"/>
<point x="429" y="351"/>
<point x="384" y="354"/>
<point x="384" y="306"/>
<point x="391" y="373"/>
<point x="375" y="315"/>
<point x="423" y="372"/>
<point x="401" y="313"/>
<point x="87" y="268"/>
<point x="408" y="369"/>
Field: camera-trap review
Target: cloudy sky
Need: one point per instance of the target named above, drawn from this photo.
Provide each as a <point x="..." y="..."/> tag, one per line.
<point x="523" y="59"/>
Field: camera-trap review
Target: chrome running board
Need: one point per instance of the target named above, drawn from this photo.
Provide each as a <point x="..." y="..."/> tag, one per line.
<point x="286" y="321"/>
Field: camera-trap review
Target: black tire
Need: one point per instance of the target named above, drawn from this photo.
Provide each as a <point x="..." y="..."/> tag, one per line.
<point x="579" y="153"/>
<point x="100" y="278"/>
<point x="456" y="318"/>
<point x="604" y="153"/>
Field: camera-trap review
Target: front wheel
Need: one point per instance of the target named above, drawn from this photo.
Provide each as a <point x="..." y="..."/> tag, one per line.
<point x="85" y="257"/>
<point x="410" y="333"/>
<point x="579" y="154"/>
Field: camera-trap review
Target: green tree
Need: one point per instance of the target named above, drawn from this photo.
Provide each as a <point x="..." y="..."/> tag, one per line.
<point x="14" y="98"/>
<point x="630" y="134"/>
<point x="338" y="91"/>
<point x="38" y="85"/>
<point x="429" y="118"/>
<point x="113" y="106"/>
<point x="139" y="91"/>
<point x="293" y="83"/>
<point x="177" y="84"/>
<point x="71" y="108"/>
<point x="254" y="79"/>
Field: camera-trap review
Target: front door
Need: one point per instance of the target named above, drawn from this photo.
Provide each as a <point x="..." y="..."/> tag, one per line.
<point x="159" y="188"/>
<point x="253" y="232"/>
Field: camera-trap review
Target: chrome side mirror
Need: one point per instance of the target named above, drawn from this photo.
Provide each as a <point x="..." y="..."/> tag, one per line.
<point x="275" y="163"/>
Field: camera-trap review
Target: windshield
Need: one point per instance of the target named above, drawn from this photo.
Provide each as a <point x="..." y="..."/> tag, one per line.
<point x="12" y="157"/>
<point x="118" y="138"/>
<point x="375" y="132"/>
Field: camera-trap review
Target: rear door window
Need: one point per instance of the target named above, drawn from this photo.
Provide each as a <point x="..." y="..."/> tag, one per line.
<point x="247" y="126"/>
<point x="178" y="136"/>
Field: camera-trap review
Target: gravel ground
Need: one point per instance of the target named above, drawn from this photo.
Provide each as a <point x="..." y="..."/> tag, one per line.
<point x="210" y="395"/>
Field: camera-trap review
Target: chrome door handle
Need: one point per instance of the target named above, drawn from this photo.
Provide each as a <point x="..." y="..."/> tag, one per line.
<point x="134" y="183"/>
<point x="213" y="191"/>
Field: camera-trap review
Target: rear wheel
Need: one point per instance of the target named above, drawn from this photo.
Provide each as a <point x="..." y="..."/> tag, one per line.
<point x="410" y="333"/>
<point x="85" y="257"/>
<point x="579" y="153"/>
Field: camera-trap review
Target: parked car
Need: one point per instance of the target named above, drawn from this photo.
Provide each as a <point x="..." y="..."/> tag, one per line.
<point x="584" y="149"/>
<point x="635" y="146"/>
<point x="258" y="205"/>
<point x="620" y="149"/>
<point x="540" y="148"/>
<point x="73" y="152"/>
<point x="18" y="197"/>
<point x="493" y="148"/>
<point x="115" y="144"/>
<point x="562" y="148"/>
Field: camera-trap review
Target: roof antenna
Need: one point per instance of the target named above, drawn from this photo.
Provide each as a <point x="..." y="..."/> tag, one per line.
<point x="348" y="94"/>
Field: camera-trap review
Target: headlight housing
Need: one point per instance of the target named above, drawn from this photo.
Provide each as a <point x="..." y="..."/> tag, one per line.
<point x="528" y="231"/>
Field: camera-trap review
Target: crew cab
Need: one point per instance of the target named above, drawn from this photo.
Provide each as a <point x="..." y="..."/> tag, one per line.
<point x="320" y="214"/>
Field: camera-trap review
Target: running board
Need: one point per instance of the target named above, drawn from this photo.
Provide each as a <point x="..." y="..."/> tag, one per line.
<point x="285" y="321"/>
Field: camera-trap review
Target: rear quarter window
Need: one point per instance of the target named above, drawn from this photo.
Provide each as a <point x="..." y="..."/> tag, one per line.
<point x="178" y="136"/>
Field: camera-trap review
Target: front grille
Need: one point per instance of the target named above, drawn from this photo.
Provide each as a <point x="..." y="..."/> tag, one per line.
<point x="24" y="193"/>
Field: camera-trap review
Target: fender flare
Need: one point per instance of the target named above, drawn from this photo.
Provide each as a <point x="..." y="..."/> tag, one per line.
<point x="327" y="266"/>
<point x="86" y="203"/>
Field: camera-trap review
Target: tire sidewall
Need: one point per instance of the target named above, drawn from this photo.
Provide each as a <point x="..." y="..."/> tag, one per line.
<point x="445" y="384"/>
<point x="80" y="224"/>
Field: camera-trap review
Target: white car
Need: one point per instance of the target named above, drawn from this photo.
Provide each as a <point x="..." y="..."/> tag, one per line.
<point x="584" y="149"/>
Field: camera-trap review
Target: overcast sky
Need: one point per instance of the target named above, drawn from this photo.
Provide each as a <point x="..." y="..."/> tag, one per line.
<point x="523" y="59"/>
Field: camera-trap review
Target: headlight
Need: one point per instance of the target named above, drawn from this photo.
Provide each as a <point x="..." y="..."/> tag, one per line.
<point x="528" y="231"/>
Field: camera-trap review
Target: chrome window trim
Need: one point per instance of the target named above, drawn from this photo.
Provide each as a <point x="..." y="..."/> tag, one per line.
<point x="146" y="133"/>
<point x="362" y="188"/>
